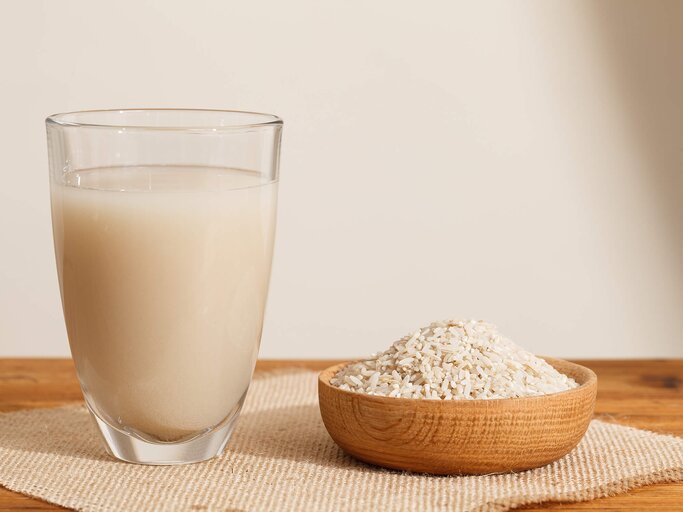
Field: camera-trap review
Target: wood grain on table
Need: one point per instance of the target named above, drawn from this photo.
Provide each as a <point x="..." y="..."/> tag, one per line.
<point x="641" y="393"/>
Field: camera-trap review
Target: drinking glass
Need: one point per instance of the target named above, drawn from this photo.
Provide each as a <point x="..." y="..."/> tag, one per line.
<point x="163" y="226"/>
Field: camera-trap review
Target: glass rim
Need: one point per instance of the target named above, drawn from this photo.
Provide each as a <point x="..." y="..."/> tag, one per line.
<point x="261" y="120"/>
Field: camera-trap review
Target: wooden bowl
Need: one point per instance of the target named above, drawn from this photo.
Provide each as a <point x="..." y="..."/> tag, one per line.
<point x="448" y="437"/>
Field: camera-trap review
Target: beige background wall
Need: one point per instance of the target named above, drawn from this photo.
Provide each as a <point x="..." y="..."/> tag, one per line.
<point x="515" y="161"/>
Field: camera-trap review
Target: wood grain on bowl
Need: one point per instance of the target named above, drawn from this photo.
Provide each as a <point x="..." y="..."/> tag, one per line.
<point x="459" y="436"/>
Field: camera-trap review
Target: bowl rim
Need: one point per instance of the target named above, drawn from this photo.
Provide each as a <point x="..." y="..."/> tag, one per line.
<point x="591" y="381"/>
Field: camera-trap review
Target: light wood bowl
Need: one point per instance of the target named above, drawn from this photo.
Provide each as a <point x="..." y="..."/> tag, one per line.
<point x="448" y="437"/>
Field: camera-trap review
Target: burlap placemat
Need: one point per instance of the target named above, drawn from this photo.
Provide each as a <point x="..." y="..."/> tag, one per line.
<point x="281" y="458"/>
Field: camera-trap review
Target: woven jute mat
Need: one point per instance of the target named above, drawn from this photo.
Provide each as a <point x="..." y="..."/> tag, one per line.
<point x="281" y="458"/>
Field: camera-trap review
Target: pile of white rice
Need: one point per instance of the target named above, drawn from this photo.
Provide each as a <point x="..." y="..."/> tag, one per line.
<point x="453" y="360"/>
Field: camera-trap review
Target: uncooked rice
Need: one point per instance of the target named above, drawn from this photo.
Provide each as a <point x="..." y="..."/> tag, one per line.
<point x="453" y="360"/>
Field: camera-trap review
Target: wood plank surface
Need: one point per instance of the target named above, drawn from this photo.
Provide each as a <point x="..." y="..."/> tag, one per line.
<point x="641" y="393"/>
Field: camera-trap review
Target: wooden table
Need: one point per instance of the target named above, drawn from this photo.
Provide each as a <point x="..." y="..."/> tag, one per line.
<point x="645" y="394"/>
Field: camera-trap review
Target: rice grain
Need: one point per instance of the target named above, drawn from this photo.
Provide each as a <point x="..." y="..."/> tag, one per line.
<point x="453" y="360"/>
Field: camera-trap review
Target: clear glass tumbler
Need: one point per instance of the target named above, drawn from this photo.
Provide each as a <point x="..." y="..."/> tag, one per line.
<point x="163" y="226"/>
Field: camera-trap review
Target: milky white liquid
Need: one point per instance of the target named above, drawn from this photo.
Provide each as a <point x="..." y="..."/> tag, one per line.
<point x="164" y="274"/>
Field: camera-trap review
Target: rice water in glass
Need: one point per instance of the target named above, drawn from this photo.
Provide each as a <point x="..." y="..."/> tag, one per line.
<point x="163" y="226"/>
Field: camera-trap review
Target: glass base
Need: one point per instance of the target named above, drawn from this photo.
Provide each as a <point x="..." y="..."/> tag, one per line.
<point x="131" y="448"/>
